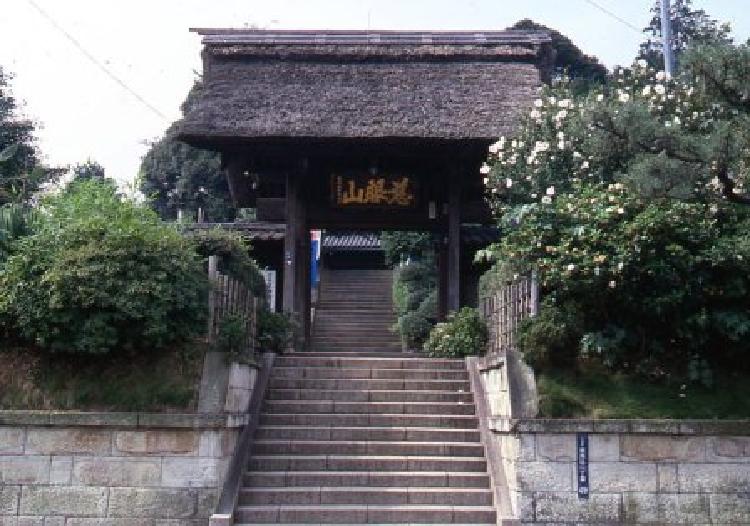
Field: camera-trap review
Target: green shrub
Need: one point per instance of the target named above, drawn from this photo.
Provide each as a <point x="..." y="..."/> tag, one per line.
<point x="100" y="274"/>
<point x="276" y="331"/>
<point x="413" y="328"/>
<point x="463" y="334"/>
<point x="551" y="338"/>
<point x="232" y="338"/>
<point x="234" y="254"/>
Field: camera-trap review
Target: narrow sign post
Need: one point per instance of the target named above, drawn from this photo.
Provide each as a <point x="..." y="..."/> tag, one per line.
<point x="582" y="461"/>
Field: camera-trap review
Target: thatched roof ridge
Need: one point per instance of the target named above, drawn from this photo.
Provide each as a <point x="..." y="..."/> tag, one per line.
<point x="262" y="85"/>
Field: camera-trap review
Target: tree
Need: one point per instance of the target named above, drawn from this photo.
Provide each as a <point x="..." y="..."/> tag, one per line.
<point x="90" y="170"/>
<point x="570" y="61"/>
<point x="690" y="27"/>
<point x="630" y="203"/>
<point x="177" y="176"/>
<point x="21" y="171"/>
<point x="102" y="274"/>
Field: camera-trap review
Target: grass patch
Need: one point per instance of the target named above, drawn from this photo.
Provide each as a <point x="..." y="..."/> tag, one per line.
<point x="164" y="382"/>
<point x="598" y="394"/>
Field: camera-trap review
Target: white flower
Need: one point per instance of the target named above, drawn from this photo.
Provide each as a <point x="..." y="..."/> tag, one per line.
<point x="647" y="91"/>
<point x="486" y="181"/>
<point x="561" y="115"/>
<point x="550" y="190"/>
<point x="585" y="165"/>
<point x="538" y="103"/>
<point x="485" y="169"/>
<point x="623" y="97"/>
<point x="612" y="284"/>
<point x="620" y="265"/>
<point x="564" y="103"/>
<point x="552" y="100"/>
<point x="561" y="135"/>
<point x="547" y="200"/>
<point x="661" y="76"/>
<point x="660" y="89"/>
<point x="577" y="155"/>
<point x="508" y="182"/>
<point x="642" y="63"/>
<point x="535" y="114"/>
<point x="620" y="211"/>
<point x="597" y="271"/>
<point x="677" y="120"/>
<point x="541" y="146"/>
<point x="561" y="145"/>
<point x="600" y="97"/>
<point x="571" y="267"/>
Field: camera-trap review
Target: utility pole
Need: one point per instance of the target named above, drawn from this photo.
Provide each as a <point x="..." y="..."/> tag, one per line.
<point x="666" y="37"/>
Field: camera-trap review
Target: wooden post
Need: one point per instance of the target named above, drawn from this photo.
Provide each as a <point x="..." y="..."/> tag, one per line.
<point x="290" y="243"/>
<point x="213" y="269"/>
<point x="442" y="265"/>
<point x="454" y="242"/>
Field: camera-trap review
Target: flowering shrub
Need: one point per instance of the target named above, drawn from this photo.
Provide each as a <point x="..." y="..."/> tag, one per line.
<point x="624" y="200"/>
<point x="463" y="334"/>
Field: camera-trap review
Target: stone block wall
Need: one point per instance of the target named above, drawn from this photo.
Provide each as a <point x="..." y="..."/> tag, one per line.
<point x="640" y="472"/>
<point x="112" y="469"/>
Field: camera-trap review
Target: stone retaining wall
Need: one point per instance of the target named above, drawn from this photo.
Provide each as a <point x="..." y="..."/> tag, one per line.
<point x="640" y="472"/>
<point x="112" y="469"/>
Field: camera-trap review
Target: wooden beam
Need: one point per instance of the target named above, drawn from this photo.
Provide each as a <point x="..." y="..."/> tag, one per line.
<point x="454" y="243"/>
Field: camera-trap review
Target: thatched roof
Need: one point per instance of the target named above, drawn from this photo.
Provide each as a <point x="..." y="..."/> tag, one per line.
<point x="351" y="85"/>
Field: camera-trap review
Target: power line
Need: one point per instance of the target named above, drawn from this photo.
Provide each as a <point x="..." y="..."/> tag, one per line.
<point x="613" y="15"/>
<point x="94" y="60"/>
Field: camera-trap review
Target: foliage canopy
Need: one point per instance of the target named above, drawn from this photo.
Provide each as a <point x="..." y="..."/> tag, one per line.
<point x="628" y="202"/>
<point x="100" y="274"/>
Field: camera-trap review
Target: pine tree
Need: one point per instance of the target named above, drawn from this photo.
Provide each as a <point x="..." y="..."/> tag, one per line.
<point x="689" y="27"/>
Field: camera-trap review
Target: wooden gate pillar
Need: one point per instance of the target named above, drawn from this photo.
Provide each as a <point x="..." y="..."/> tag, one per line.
<point x="454" y="242"/>
<point x="296" y="295"/>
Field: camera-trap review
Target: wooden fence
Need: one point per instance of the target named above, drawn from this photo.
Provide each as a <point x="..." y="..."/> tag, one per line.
<point x="505" y="309"/>
<point x="229" y="296"/>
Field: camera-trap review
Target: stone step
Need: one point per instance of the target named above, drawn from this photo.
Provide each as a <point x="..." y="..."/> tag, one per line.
<point x="424" y="479"/>
<point x="260" y="462"/>
<point x="363" y="373"/>
<point x="359" y="349"/>
<point x="365" y="495"/>
<point x="367" y="447"/>
<point x="346" y="337"/>
<point x="369" y="396"/>
<point x="368" y="384"/>
<point x="391" y="408"/>
<point x="365" y="514"/>
<point x="401" y="362"/>
<point x="390" y="354"/>
<point x="369" y="420"/>
<point x="399" y="434"/>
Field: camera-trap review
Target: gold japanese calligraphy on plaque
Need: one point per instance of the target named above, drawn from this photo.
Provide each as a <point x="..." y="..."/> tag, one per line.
<point x="378" y="190"/>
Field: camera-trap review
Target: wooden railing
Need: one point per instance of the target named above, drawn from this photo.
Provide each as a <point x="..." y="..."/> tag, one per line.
<point x="505" y="309"/>
<point x="229" y="296"/>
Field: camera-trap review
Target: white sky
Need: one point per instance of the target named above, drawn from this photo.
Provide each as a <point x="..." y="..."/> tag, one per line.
<point x="83" y="113"/>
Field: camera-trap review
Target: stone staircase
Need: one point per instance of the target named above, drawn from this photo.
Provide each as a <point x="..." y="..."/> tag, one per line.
<point x="355" y="312"/>
<point x="381" y="438"/>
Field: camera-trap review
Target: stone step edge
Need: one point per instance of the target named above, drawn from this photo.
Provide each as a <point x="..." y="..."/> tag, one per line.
<point x="354" y="489"/>
<point x="463" y="474"/>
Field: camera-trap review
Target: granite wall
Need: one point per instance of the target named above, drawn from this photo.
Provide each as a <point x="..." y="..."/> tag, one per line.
<point x="640" y="472"/>
<point x="663" y="472"/>
<point x="112" y="469"/>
